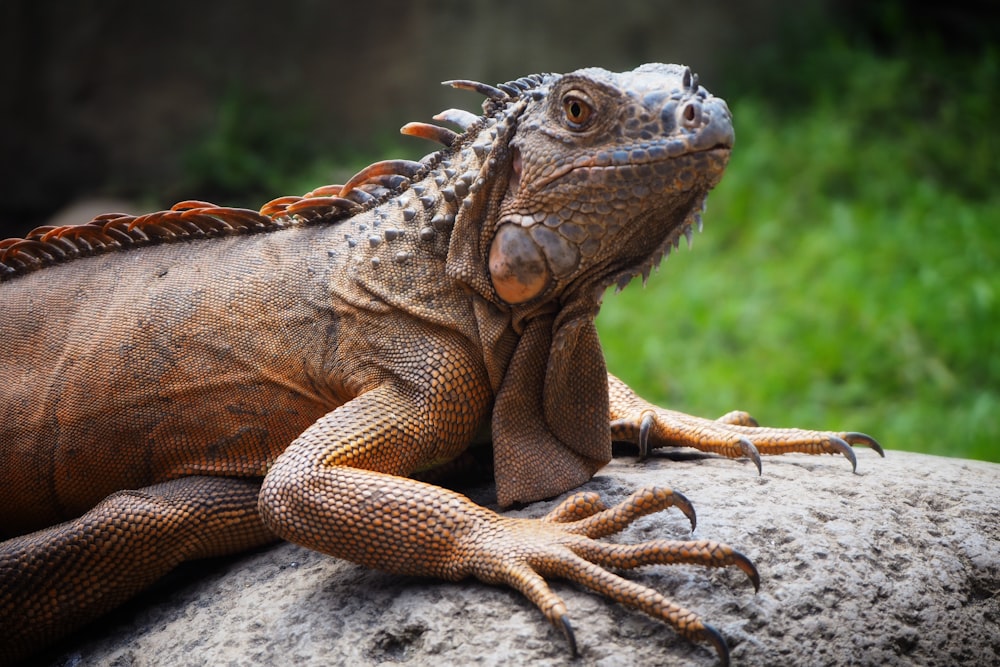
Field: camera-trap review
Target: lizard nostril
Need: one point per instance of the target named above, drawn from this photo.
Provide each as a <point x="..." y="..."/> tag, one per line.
<point x="691" y="115"/>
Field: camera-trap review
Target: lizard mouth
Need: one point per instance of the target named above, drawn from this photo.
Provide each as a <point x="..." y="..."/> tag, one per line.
<point x="660" y="157"/>
<point x="528" y="252"/>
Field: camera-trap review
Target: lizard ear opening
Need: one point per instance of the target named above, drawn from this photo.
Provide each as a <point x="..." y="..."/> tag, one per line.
<point x="515" y="171"/>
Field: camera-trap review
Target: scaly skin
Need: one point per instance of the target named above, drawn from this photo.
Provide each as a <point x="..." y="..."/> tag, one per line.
<point x="169" y="398"/>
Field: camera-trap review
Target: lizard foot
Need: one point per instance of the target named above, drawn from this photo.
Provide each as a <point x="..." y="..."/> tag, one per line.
<point x="734" y="435"/>
<point x="563" y="544"/>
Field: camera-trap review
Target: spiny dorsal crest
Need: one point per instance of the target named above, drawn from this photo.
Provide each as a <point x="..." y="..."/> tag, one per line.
<point x="189" y="220"/>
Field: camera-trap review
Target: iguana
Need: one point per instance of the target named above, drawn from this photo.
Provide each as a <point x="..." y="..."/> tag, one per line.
<point x="204" y="380"/>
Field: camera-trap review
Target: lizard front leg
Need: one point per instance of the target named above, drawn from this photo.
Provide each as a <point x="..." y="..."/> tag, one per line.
<point x="734" y="435"/>
<point x="339" y="489"/>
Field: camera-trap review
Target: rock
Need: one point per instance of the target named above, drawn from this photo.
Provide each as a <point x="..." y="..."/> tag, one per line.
<point x="897" y="564"/>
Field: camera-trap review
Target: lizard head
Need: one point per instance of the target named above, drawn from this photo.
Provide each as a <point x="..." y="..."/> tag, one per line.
<point x="607" y="171"/>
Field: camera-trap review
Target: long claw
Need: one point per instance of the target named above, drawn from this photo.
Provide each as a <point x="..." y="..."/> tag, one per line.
<point x="684" y="505"/>
<point x="644" y="428"/>
<point x="750" y="451"/>
<point x="641" y="503"/>
<point x="856" y="438"/>
<point x="567" y="629"/>
<point x="710" y="635"/>
<point x="845" y="449"/>
<point x="594" y="576"/>
<point x="745" y="564"/>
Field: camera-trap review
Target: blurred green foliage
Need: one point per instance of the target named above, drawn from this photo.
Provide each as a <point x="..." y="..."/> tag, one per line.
<point x="258" y="148"/>
<point x="849" y="276"/>
<point x="253" y="146"/>
<point x="242" y="147"/>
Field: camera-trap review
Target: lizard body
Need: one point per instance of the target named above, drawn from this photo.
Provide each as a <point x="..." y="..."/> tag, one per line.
<point x="169" y="397"/>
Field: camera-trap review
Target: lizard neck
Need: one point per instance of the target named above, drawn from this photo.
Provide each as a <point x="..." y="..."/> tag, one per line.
<point x="419" y="253"/>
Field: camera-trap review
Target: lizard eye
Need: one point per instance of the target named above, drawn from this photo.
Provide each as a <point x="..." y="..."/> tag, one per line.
<point x="577" y="110"/>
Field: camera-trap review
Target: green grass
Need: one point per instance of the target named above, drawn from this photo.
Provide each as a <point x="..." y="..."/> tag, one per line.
<point x="846" y="279"/>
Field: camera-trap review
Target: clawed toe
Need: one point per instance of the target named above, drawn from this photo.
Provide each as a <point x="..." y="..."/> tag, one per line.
<point x="842" y="444"/>
<point x="593" y="575"/>
<point x="750" y="451"/>
<point x="710" y="635"/>
<point x="706" y="635"/>
<point x="836" y="445"/>
<point x="567" y="548"/>
<point x="856" y="438"/>
<point x="639" y="504"/>
<point x="567" y="629"/>
<point x="578" y="506"/>
<point x="734" y="435"/>
<point x="745" y="564"/>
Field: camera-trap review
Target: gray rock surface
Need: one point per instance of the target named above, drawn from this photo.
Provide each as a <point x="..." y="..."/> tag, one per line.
<point x="896" y="565"/>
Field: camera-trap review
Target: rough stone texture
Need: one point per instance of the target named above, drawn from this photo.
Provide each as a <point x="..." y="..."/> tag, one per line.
<point x="897" y="565"/>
